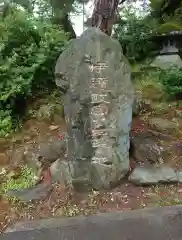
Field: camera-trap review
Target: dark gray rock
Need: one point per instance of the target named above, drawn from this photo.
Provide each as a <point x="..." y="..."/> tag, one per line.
<point x="52" y="150"/>
<point x="159" y="224"/>
<point x="45" y="152"/>
<point x="95" y="77"/>
<point x="153" y="175"/>
<point x="35" y="193"/>
<point x="148" y="149"/>
<point x="60" y="171"/>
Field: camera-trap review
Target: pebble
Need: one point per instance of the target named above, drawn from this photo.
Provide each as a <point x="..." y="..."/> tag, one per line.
<point x="53" y="127"/>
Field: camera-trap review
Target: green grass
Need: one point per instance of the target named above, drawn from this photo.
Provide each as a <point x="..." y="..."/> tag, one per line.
<point x="150" y="88"/>
<point x="25" y="180"/>
<point x="48" y="107"/>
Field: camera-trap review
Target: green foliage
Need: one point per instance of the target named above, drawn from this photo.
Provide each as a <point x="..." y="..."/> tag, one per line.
<point x="168" y="15"/>
<point x="5" y="122"/>
<point x="28" y="52"/>
<point x="25" y="180"/>
<point x="49" y="107"/>
<point x="156" y="4"/>
<point x="172" y="81"/>
<point x="149" y="85"/>
<point x="134" y="37"/>
<point x="134" y="32"/>
<point x="178" y="14"/>
<point x="168" y="27"/>
<point x="161" y="7"/>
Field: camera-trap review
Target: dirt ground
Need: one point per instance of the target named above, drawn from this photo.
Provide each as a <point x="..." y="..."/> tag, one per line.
<point x="65" y="202"/>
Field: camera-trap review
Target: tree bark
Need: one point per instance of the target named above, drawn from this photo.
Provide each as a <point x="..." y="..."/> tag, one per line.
<point x="66" y="24"/>
<point x="105" y="15"/>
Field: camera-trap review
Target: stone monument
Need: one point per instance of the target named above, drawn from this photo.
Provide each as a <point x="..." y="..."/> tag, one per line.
<point x="95" y="76"/>
<point x="169" y="54"/>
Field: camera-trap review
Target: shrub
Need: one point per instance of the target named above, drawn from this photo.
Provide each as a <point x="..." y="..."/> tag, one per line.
<point x="134" y="36"/>
<point x="150" y="87"/>
<point x="28" y="52"/>
<point x="172" y="81"/>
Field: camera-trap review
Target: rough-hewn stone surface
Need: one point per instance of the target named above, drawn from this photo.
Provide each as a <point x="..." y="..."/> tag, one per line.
<point x="35" y="193"/>
<point x="95" y="77"/>
<point x="167" y="61"/>
<point x="159" y="224"/>
<point x="149" y="149"/>
<point x="60" y="171"/>
<point x="47" y="152"/>
<point x="153" y="175"/>
<point x="179" y="176"/>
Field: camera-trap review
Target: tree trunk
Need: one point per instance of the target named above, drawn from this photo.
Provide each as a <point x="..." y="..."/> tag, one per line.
<point x="105" y="15"/>
<point x="66" y="24"/>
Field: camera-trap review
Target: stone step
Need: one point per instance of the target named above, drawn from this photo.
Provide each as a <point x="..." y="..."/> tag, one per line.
<point x="158" y="223"/>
